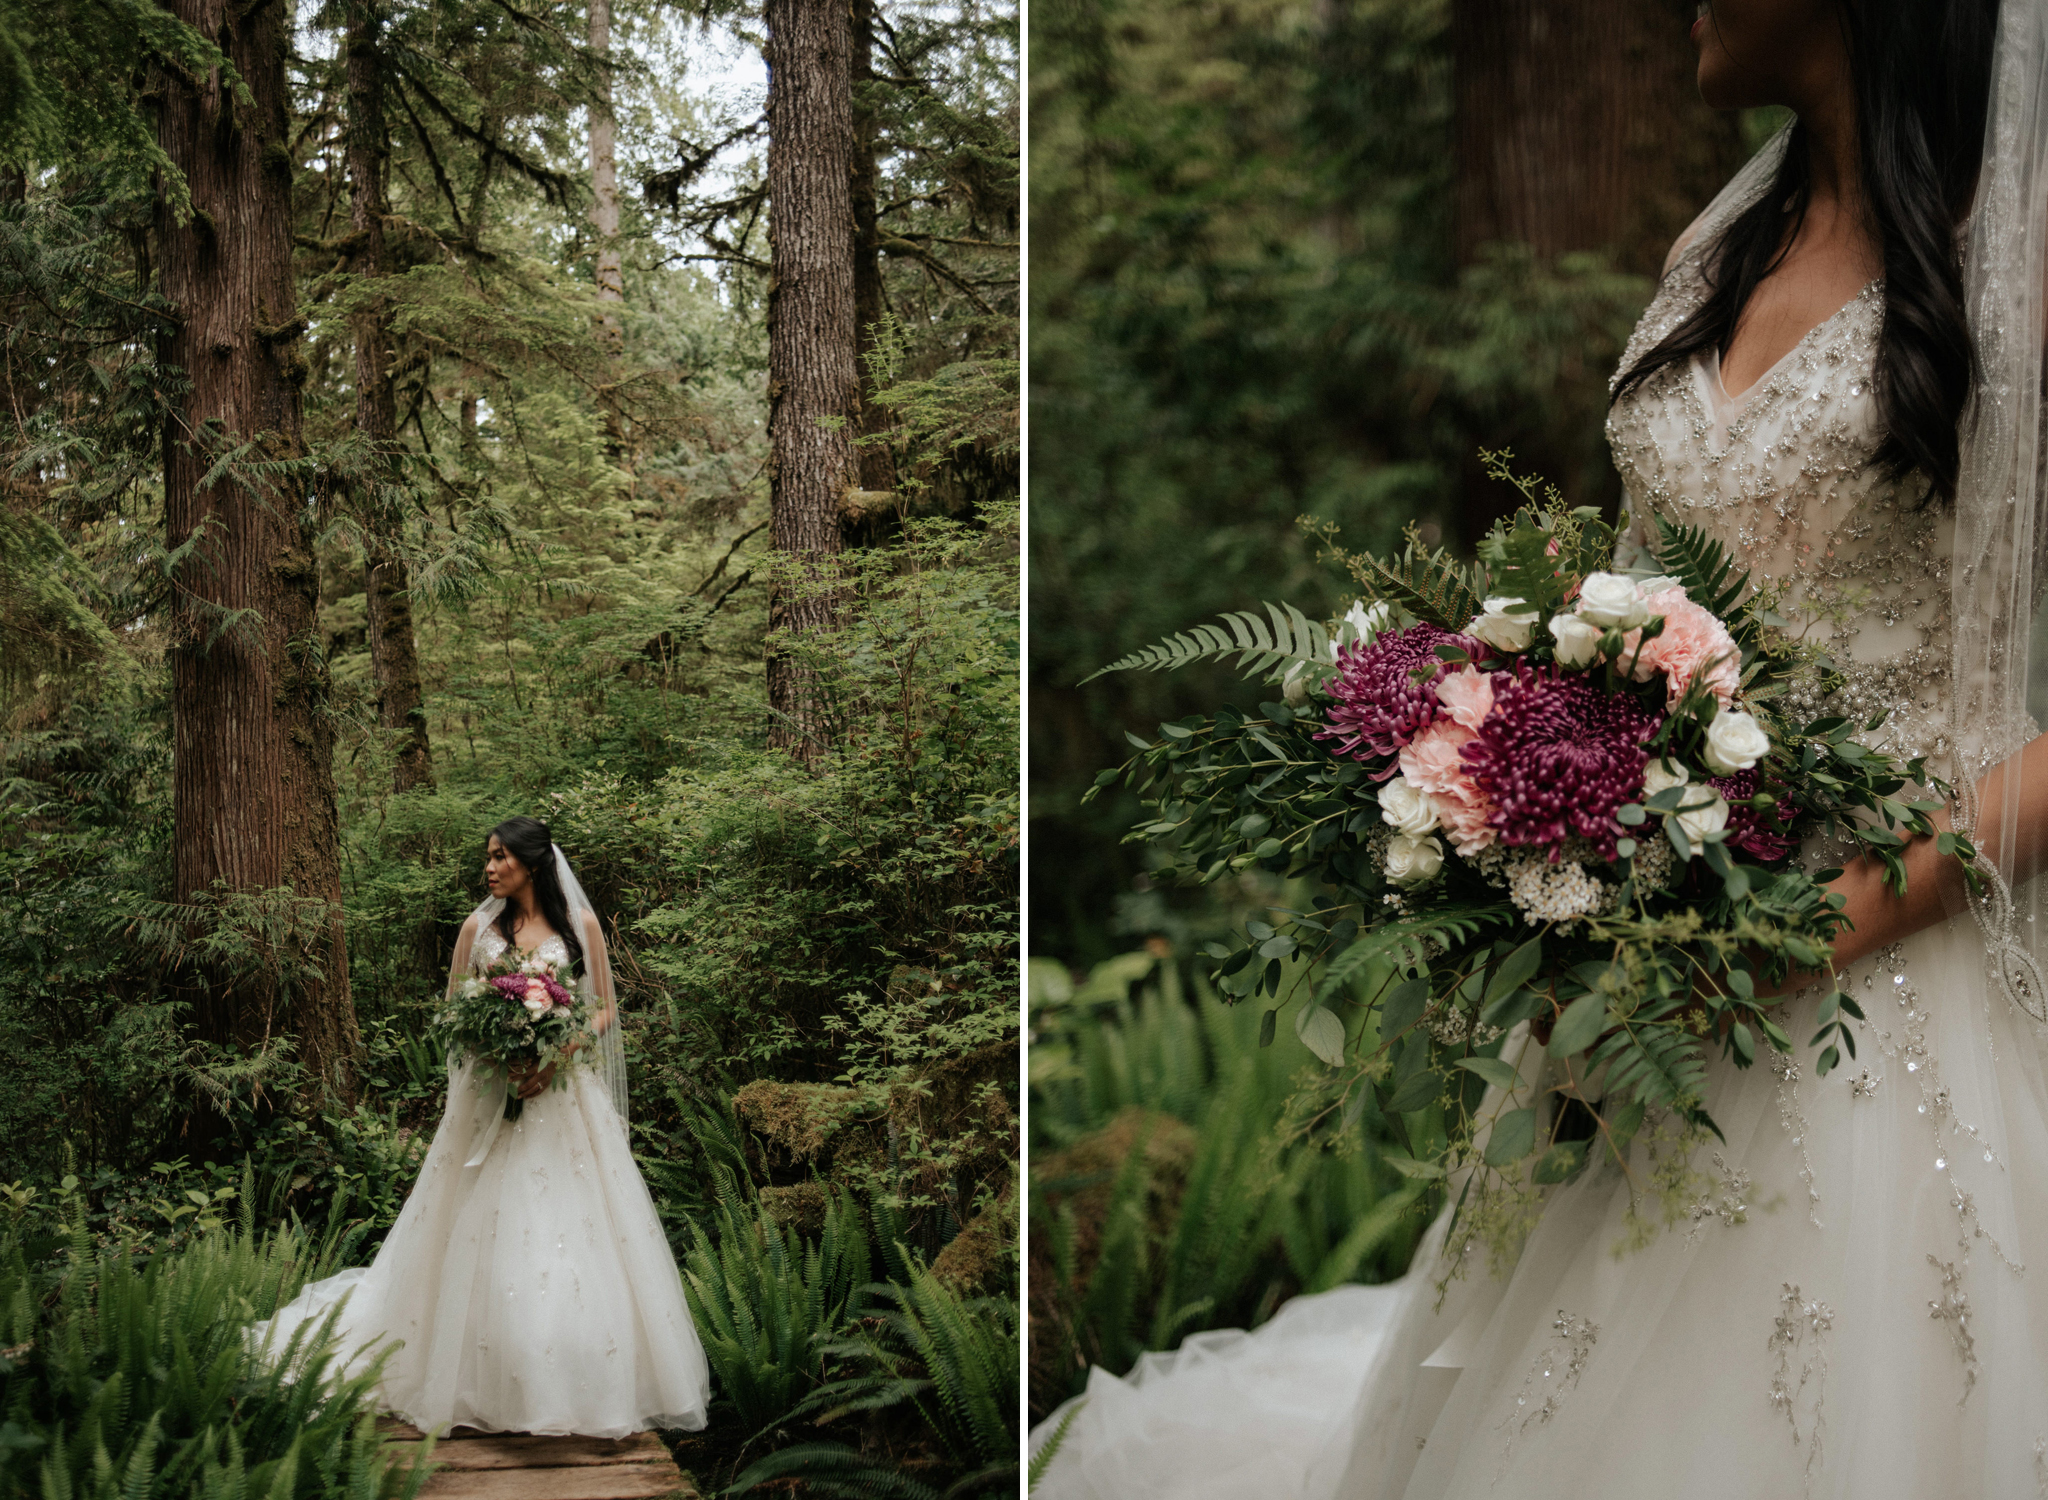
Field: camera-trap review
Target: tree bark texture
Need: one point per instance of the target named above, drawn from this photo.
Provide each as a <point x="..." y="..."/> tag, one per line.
<point x="1580" y="127"/>
<point x="604" y="183"/>
<point x="394" y="654"/>
<point x="870" y="299"/>
<point x="253" y="772"/>
<point x="813" y="386"/>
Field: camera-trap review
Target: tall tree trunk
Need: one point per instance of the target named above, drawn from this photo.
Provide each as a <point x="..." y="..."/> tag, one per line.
<point x="870" y="300"/>
<point x="604" y="186"/>
<point x="1579" y="127"/>
<point x="394" y="654"/>
<point x="813" y="387"/>
<point x="253" y="778"/>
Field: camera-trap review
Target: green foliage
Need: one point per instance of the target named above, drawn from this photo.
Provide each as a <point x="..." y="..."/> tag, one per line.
<point x="1182" y="1179"/>
<point x="141" y="1382"/>
<point x="762" y="1299"/>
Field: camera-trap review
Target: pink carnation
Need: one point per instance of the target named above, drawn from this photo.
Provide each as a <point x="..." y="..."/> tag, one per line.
<point x="1692" y="639"/>
<point x="1433" y="761"/>
<point x="1466" y="695"/>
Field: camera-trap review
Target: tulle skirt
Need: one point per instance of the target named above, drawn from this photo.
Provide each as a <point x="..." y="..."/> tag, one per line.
<point x="1844" y="1307"/>
<point x="527" y="1285"/>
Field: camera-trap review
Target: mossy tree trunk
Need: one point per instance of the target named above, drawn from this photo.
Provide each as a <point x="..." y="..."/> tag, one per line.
<point x="253" y="775"/>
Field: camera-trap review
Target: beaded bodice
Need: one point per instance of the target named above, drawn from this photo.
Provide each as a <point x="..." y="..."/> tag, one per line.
<point x="1782" y="475"/>
<point x="491" y="946"/>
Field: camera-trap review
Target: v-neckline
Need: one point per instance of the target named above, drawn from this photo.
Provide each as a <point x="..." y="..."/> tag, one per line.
<point x="1720" y="387"/>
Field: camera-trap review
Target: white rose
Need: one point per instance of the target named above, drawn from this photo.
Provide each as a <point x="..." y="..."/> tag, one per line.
<point x="1578" y="643"/>
<point x="1662" y="775"/>
<point x="1699" y="821"/>
<point x="1656" y="585"/>
<point x="1411" y="810"/>
<point x="1507" y="624"/>
<point x="537" y="1008"/>
<point x="1611" y="601"/>
<point x="1411" y="861"/>
<point x="1735" y="742"/>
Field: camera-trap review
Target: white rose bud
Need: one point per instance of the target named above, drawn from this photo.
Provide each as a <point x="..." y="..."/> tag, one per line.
<point x="1410" y="810"/>
<point x="1578" y="643"/>
<point x="1656" y="585"/>
<point x="1411" y="861"/>
<point x="1698" y="822"/>
<point x="1506" y="625"/>
<point x="1367" y="622"/>
<point x="1611" y="602"/>
<point x="1662" y="775"/>
<point x="1735" y="742"/>
<point x="1292" y="687"/>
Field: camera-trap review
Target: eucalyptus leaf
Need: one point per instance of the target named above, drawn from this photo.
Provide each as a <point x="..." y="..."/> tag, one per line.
<point x="1580" y="1025"/>
<point x="1514" y="1137"/>
<point x="1501" y="1075"/>
<point x="1322" y="1033"/>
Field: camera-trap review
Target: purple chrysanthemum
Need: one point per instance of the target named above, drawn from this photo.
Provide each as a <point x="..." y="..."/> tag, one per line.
<point x="1381" y="703"/>
<point x="1749" y="830"/>
<point x="1558" y="755"/>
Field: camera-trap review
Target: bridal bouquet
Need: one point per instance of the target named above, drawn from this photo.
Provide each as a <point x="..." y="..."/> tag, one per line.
<point x="517" y="1011"/>
<point x="1528" y="789"/>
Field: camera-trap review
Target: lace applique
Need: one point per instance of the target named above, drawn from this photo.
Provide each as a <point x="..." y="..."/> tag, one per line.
<point x="491" y="946"/>
<point x="1801" y="1328"/>
<point x="1554" y="1376"/>
<point x="1730" y="1205"/>
<point x="1953" y="1307"/>
<point x="1793" y="1119"/>
<point x="1864" y="1085"/>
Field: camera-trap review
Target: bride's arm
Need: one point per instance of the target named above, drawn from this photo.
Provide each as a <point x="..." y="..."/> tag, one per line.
<point x="1934" y="882"/>
<point x="597" y="963"/>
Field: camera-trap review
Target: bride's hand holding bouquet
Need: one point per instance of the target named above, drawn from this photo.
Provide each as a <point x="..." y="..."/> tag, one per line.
<point x="523" y="1018"/>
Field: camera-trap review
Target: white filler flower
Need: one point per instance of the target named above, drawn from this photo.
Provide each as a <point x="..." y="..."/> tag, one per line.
<point x="1505" y="625"/>
<point x="1411" y="861"/>
<point x="1611" y="602"/>
<point x="1735" y="742"/>
<point x="1410" y="809"/>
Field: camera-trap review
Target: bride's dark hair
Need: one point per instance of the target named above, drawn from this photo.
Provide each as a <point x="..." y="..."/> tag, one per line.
<point x="1921" y="76"/>
<point x="528" y="841"/>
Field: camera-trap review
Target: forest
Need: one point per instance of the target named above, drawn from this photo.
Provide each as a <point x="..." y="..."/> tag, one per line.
<point x="1291" y="263"/>
<point x="421" y="412"/>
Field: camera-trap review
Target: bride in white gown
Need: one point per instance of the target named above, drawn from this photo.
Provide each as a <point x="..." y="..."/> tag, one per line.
<point x="1857" y="1304"/>
<point x="527" y="1285"/>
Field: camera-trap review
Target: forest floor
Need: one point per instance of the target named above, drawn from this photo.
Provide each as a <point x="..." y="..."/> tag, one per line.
<point x="521" y="1466"/>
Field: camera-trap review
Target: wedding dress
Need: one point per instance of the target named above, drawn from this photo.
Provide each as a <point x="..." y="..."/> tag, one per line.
<point x="527" y="1285"/>
<point x="1855" y="1303"/>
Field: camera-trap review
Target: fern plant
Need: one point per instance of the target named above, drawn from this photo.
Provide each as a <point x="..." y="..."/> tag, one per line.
<point x="764" y="1298"/>
<point x="917" y="1346"/>
<point x="1284" y="639"/>
<point x="137" y="1383"/>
